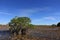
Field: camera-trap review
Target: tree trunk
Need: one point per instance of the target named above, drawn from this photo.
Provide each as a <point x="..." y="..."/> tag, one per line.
<point x="23" y="31"/>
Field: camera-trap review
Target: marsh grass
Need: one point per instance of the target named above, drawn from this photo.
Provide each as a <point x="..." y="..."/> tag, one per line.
<point x="51" y="34"/>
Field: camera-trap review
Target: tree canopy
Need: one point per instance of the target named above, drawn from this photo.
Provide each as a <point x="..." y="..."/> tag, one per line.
<point x="17" y="23"/>
<point x="58" y="24"/>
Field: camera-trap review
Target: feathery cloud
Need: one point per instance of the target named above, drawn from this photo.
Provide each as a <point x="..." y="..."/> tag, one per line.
<point x="49" y="18"/>
<point x="42" y="20"/>
<point x="5" y="13"/>
<point x="29" y="12"/>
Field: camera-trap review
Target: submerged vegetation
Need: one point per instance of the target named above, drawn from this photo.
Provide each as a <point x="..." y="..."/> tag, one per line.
<point x="22" y="29"/>
<point x="18" y="24"/>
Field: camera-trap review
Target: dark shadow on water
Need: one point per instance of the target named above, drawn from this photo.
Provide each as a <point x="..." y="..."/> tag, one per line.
<point x="4" y="34"/>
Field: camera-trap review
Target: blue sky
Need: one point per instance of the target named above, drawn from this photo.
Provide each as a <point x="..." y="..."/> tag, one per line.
<point x="41" y="12"/>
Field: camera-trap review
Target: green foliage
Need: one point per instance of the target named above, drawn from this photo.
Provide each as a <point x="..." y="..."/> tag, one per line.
<point x="31" y="26"/>
<point x="18" y="23"/>
<point x="53" y="25"/>
<point x="24" y="21"/>
<point x="58" y="24"/>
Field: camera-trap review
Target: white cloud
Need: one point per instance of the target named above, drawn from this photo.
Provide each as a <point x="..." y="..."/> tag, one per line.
<point x="49" y="18"/>
<point x="5" y="13"/>
<point x="26" y="12"/>
<point x="34" y="21"/>
<point x="29" y="12"/>
<point x="56" y="13"/>
<point x="45" y="18"/>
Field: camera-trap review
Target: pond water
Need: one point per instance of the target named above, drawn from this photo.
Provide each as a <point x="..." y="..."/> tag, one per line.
<point x="34" y="33"/>
<point x="48" y="33"/>
<point x="4" y="35"/>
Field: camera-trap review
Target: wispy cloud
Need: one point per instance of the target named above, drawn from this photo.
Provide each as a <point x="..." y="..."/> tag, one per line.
<point x="42" y="20"/>
<point x="49" y="18"/>
<point x="29" y="12"/>
<point x="4" y="13"/>
<point x="56" y="13"/>
<point x="45" y="18"/>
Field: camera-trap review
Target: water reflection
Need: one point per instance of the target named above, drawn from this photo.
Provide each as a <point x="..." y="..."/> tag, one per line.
<point x="4" y="34"/>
